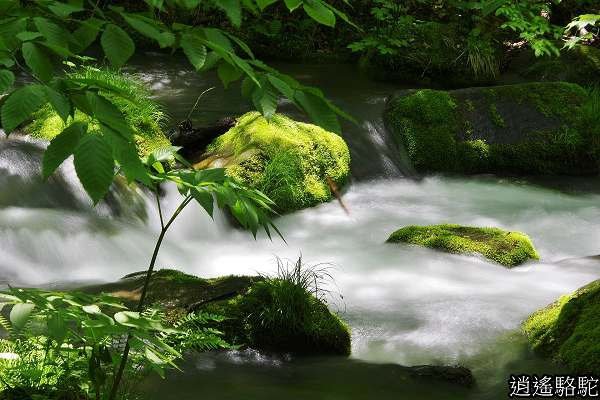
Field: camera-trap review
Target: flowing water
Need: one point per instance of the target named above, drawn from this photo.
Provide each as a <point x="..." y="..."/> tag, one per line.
<point x="405" y="305"/>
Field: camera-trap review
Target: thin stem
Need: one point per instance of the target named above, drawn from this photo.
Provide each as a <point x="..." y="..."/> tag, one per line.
<point x="140" y="306"/>
<point x="162" y="222"/>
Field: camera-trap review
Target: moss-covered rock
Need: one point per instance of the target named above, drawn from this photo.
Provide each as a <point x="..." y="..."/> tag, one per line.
<point x="507" y="248"/>
<point x="263" y="313"/>
<point x="533" y="128"/>
<point x="568" y="330"/>
<point x="291" y="162"/>
<point x="143" y="114"/>
<point x="580" y="65"/>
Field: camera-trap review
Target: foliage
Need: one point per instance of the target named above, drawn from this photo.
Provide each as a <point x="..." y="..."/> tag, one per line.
<point x="584" y="28"/>
<point x="67" y="345"/>
<point x="568" y="330"/>
<point x="291" y="162"/>
<point x="507" y="248"/>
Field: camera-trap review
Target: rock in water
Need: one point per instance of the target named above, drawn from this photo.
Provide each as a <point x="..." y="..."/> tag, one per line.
<point x="568" y="330"/>
<point x="262" y="313"/>
<point x="532" y="128"/>
<point x="291" y="162"/>
<point x="507" y="248"/>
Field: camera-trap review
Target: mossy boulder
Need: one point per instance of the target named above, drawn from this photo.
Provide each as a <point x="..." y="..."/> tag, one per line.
<point x="507" y="248"/>
<point x="143" y="114"/>
<point x="262" y="313"/>
<point x="580" y="65"/>
<point x="568" y="330"/>
<point x="293" y="163"/>
<point x="533" y="128"/>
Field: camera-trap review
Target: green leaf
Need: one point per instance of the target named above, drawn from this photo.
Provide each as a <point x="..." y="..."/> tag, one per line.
<point x="87" y="33"/>
<point x="205" y="199"/>
<point x="149" y="28"/>
<point x="126" y="154"/>
<point x="106" y="112"/>
<point x="7" y="79"/>
<point x="293" y="4"/>
<point x="19" y="106"/>
<point x="228" y="73"/>
<point x="54" y="34"/>
<point x="27" y="36"/>
<point x="194" y="50"/>
<point x="63" y="10"/>
<point x="210" y="175"/>
<point x="319" y="111"/>
<point x="265" y="100"/>
<point x="59" y="102"/>
<point x="233" y="9"/>
<point x="262" y="4"/>
<point x="61" y="147"/>
<point x="20" y="313"/>
<point x="117" y="45"/>
<point x="94" y="165"/>
<point x="319" y="12"/>
<point x="38" y="61"/>
<point x="92" y="309"/>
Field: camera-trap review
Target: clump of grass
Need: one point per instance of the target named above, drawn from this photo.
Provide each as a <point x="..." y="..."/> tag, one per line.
<point x="506" y="248"/>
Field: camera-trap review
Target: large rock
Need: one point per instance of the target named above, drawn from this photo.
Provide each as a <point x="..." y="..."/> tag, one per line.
<point x="294" y="163"/>
<point x="262" y="313"/>
<point x="568" y="330"/>
<point x="506" y="248"/>
<point x="533" y="128"/>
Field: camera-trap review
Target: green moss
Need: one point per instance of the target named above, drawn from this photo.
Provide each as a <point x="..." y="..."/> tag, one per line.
<point x="278" y="315"/>
<point x="142" y="113"/>
<point x="569" y="330"/>
<point x="534" y="128"/>
<point x="507" y="248"/>
<point x="289" y="161"/>
<point x="496" y="117"/>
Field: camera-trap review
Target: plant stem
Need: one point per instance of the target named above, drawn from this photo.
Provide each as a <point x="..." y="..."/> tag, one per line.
<point x="140" y="306"/>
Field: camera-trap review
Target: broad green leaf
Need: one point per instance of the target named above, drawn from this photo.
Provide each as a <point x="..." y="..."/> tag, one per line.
<point x="126" y="154"/>
<point x="87" y="33"/>
<point x="27" y="36"/>
<point x="293" y="4"/>
<point x="6" y="59"/>
<point x="38" y="61"/>
<point x="319" y="12"/>
<point x="262" y="4"/>
<point x="194" y="49"/>
<point x="155" y="3"/>
<point x="318" y="110"/>
<point x="233" y="9"/>
<point x="281" y="86"/>
<point x="117" y="45"/>
<point x="63" y="10"/>
<point x="20" y="314"/>
<point x="54" y="34"/>
<point x="19" y="106"/>
<point x="106" y="112"/>
<point x="150" y="28"/>
<point x="9" y="29"/>
<point x="59" y="102"/>
<point x="210" y="175"/>
<point x="265" y="99"/>
<point x="61" y="147"/>
<point x="57" y="329"/>
<point x="228" y="73"/>
<point x="205" y="199"/>
<point x="94" y="165"/>
<point x="92" y="309"/>
<point x="7" y="79"/>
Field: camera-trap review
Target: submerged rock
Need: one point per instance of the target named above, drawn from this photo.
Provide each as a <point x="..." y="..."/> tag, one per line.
<point x="532" y="128"/>
<point x="293" y="163"/>
<point x="507" y="248"/>
<point x="568" y="330"/>
<point x="262" y="313"/>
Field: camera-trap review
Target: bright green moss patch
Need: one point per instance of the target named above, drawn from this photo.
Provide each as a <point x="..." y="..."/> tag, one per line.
<point x="507" y="248"/>
<point x="533" y="128"/>
<point x="144" y="115"/>
<point x="289" y="161"/>
<point x="569" y="330"/>
<point x="278" y="315"/>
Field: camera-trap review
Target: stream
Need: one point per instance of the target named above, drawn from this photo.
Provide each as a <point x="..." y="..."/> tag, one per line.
<point x="405" y="305"/>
